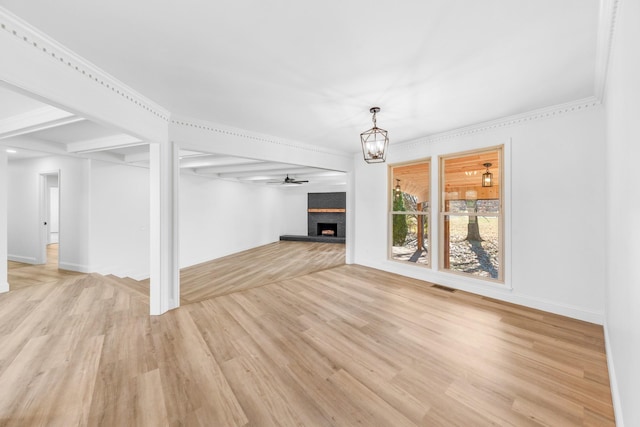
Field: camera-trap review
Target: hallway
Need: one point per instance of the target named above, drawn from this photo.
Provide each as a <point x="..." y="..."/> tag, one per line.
<point x="22" y="275"/>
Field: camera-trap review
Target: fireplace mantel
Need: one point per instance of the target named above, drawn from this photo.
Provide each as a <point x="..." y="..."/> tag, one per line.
<point x="316" y="210"/>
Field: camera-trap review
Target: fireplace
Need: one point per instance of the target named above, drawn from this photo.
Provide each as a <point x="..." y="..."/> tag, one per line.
<point x="326" y="215"/>
<point x="327" y="229"/>
<point x="326" y="219"/>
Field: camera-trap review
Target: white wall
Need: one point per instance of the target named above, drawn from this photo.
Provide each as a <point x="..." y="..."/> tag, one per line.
<point x="294" y="215"/>
<point x="23" y="210"/>
<point x="555" y="252"/>
<point x="105" y="215"/>
<point x="623" y="203"/>
<point x="218" y="218"/>
<point x="119" y="220"/>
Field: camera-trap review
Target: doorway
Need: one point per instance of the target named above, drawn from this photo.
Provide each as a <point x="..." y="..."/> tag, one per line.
<point x="49" y="235"/>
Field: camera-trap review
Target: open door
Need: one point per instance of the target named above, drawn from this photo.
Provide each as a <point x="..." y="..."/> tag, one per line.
<point x="49" y="213"/>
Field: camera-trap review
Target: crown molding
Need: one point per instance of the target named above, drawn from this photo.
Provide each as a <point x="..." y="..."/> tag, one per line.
<point x="540" y="114"/>
<point x="606" y="27"/>
<point x="32" y="38"/>
<point x="252" y="136"/>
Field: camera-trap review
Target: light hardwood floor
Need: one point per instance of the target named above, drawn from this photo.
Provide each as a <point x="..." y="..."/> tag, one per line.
<point x="257" y="267"/>
<point x="344" y="346"/>
<point x="21" y="275"/>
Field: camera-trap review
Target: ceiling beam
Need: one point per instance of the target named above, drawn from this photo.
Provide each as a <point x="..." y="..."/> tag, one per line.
<point x="310" y="177"/>
<point x="244" y="167"/>
<point x="187" y="158"/>
<point x="137" y="157"/>
<point x="272" y="173"/>
<point x="105" y="143"/>
<point x="25" y="142"/>
<point x="214" y="160"/>
<point x="35" y="120"/>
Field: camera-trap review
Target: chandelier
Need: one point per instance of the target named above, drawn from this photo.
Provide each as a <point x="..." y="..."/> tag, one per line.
<point x="374" y="141"/>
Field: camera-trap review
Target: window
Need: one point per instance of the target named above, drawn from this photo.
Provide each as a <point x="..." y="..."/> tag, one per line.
<point x="471" y="220"/>
<point x="409" y="213"/>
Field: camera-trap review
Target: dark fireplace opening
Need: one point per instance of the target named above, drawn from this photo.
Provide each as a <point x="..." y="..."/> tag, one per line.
<point x="327" y="229"/>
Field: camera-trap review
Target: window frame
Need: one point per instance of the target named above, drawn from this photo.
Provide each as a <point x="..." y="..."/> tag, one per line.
<point x="500" y="215"/>
<point x="424" y="213"/>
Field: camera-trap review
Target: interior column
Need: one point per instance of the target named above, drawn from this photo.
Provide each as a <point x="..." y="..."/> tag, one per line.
<point x="350" y="224"/>
<point x="164" y="263"/>
<point x="4" y="283"/>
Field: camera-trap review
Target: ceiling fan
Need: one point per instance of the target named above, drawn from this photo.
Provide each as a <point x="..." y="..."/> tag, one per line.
<point x="288" y="180"/>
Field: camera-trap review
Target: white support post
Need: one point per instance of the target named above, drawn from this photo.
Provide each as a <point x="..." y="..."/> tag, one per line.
<point x="350" y="241"/>
<point x="4" y="283"/>
<point x="165" y="270"/>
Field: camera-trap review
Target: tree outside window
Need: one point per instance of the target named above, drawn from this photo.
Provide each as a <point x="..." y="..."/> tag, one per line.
<point x="471" y="215"/>
<point x="409" y="213"/>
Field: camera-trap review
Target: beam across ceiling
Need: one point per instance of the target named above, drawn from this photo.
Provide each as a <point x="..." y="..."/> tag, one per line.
<point x="244" y="168"/>
<point x="272" y="173"/>
<point x="35" y="120"/>
<point x="214" y="160"/>
<point x="102" y="144"/>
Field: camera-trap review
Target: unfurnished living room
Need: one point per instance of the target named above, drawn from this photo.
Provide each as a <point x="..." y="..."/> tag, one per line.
<point x="291" y="213"/>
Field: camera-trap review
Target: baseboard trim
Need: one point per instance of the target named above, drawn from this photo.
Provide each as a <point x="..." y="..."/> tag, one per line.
<point x="4" y="287"/>
<point x="22" y="259"/>
<point x="566" y="310"/>
<point x="139" y="277"/>
<point x="135" y="275"/>
<point x="491" y="290"/>
<point x="74" y="267"/>
<point x="613" y="379"/>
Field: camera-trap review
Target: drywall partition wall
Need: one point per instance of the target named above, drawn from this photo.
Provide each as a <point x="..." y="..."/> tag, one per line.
<point x="294" y="213"/>
<point x="555" y="252"/>
<point x="23" y="210"/>
<point x="623" y="279"/>
<point x="219" y="218"/>
<point x="119" y="220"/>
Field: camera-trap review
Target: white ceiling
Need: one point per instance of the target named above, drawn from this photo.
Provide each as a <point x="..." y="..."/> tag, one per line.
<point x="309" y="71"/>
<point x="29" y="128"/>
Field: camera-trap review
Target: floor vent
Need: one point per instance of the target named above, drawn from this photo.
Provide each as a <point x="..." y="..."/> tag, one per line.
<point x="443" y="288"/>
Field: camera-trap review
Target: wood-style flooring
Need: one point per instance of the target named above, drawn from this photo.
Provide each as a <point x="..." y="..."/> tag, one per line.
<point x="344" y="346"/>
<point x="21" y="275"/>
<point x="257" y="267"/>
